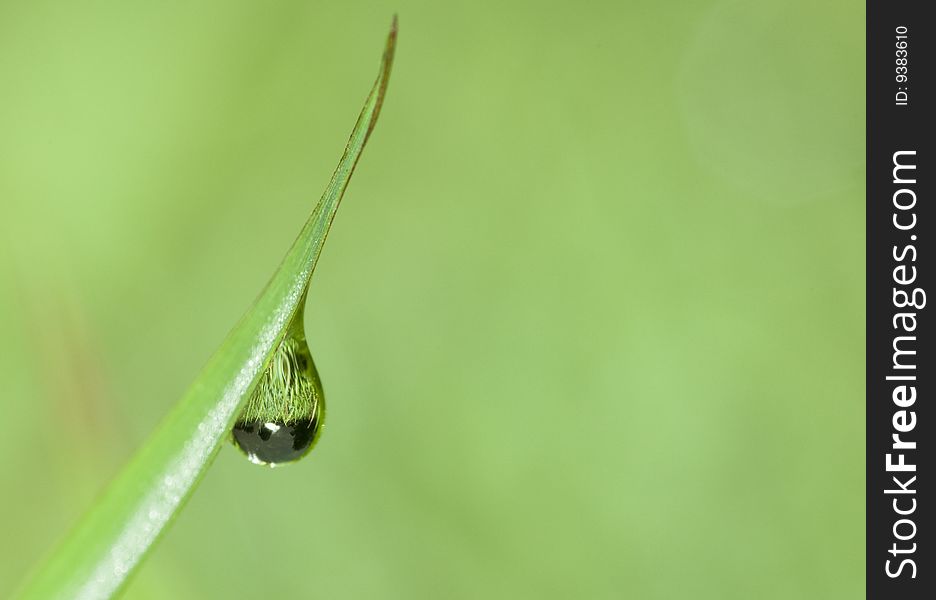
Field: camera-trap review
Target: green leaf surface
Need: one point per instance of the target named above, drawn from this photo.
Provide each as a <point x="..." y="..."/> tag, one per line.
<point x="109" y="543"/>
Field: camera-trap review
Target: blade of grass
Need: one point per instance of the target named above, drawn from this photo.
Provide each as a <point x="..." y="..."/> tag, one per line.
<point x="97" y="557"/>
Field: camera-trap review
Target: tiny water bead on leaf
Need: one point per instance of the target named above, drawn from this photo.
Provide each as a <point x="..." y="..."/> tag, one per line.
<point x="284" y="415"/>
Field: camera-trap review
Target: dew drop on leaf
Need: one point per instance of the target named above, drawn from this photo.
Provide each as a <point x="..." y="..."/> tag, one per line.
<point x="283" y="417"/>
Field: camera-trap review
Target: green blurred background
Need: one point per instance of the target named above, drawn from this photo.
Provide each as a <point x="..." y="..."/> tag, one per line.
<point x="590" y="320"/>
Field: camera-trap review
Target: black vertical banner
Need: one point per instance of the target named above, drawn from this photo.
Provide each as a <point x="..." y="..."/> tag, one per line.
<point x="901" y="372"/>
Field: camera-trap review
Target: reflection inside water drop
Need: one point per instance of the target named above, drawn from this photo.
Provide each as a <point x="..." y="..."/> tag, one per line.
<point x="275" y="443"/>
<point x="283" y="417"/>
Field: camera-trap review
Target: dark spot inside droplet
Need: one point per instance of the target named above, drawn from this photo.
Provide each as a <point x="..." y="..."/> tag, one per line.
<point x="274" y="443"/>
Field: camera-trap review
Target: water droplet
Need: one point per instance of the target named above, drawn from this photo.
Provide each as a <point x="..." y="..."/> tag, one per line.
<point x="283" y="418"/>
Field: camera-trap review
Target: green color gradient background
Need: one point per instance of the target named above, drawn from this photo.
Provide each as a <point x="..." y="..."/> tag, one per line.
<point x="590" y="320"/>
